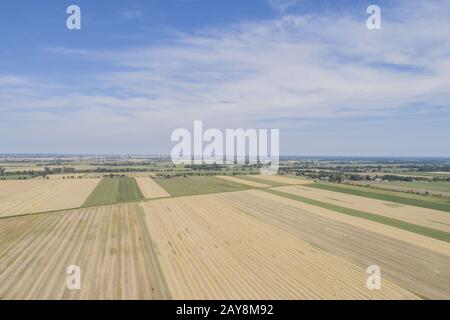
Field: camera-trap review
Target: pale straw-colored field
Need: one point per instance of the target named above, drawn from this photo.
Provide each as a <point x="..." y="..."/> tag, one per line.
<point x="150" y="189"/>
<point x="415" y="262"/>
<point x="20" y="197"/>
<point x="209" y="249"/>
<point x="109" y="244"/>
<point x="435" y="219"/>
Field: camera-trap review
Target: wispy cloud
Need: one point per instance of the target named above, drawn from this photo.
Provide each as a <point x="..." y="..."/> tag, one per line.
<point x="282" y="5"/>
<point x="130" y="13"/>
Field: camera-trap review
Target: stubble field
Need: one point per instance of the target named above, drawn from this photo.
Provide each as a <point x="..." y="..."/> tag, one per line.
<point x="248" y="240"/>
<point x="422" y="216"/>
<point x="33" y="196"/>
<point x="107" y="243"/>
<point x="211" y="250"/>
<point x="416" y="262"/>
<point x="150" y="188"/>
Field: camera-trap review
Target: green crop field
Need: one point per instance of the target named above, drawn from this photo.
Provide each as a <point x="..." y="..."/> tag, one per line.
<point x="184" y="186"/>
<point x="442" y="204"/>
<point x="114" y="190"/>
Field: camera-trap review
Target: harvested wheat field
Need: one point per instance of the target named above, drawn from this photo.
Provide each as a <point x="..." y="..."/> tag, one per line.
<point x="10" y="188"/>
<point x="34" y="196"/>
<point x="209" y="249"/>
<point x="413" y="261"/>
<point x="150" y="189"/>
<point x="245" y="182"/>
<point x="421" y="216"/>
<point x="281" y="179"/>
<point x="109" y="244"/>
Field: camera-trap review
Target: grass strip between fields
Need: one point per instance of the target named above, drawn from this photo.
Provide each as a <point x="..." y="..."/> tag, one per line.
<point x="385" y="197"/>
<point x="425" y="231"/>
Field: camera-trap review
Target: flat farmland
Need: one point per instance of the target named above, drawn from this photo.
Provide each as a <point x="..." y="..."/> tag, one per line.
<point x="276" y="181"/>
<point x="109" y="244"/>
<point x="114" y="190"/>
<point x="150" y="188"/>
<point x="186" y="186"/>
<point x="430" y="202"/>
<point x="10" y="188"/>
<point x="208" y="237"/>
<point x="292" y="180"/>
<point x="417" y="263"/>
<point x="435" y="187"/>
<point x="244" y="181"/>
<point x="210" y="249"/>
<point x="421" y="216"/>
<point x="33" y="196"/>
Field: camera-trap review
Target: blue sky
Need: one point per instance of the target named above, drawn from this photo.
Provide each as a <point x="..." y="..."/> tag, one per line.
<point x="137" y="70"/>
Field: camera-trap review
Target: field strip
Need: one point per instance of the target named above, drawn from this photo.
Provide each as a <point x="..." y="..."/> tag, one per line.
<point x="415" y="215"/>
<point x="47" y="195"/>
<point x="209" y="249"/>
<point x="277" y="180"/>
<point x="152" y="258"/>
<point x="385" y="195"/>
<point x="150" y="188"/>
<point x="107" y="244"/>
<point x="415" y="262"/>
<point x="245" y="182"/>
<point x="194" y="185"/>
<point x="394" y="187"/>
<point x="114" y="190"/>
<point x="421" y="230"/>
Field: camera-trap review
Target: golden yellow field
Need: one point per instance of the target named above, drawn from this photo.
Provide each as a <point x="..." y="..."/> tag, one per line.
<point x="208" y="249"/>
<point x="435" y="219"/>
<point x="31" y="196"/>
<point x="109" y="244"/>
<point x="150" y="189"/>
<point x="244" y="182"/>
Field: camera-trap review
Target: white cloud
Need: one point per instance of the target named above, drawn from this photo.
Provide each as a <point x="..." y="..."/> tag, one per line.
<point x="274" y="73"/>
<point x="308" y="67"/>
